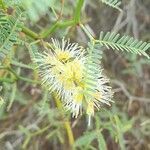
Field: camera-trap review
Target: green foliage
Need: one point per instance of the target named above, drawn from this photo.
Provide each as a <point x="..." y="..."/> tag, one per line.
<point x="36" y="9"/>
<point x="29" y="110"/>
<point x="10" y="27"/>
<point x="53" y="129"/>
<point x="101" y="141"/>
<point x="92" y="68"/>
<point x="12" y="96"/>
<point x="10" y="3"/>
<point x="84" y="141"/>
<point x="124" y="43"/>
<point x="1" y="101"/>
<point x="113" y="3"/>
<point x="105" y="121"/>
<point x="117" y="125"/>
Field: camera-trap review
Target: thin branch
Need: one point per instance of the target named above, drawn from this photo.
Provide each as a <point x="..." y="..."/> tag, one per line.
<point x="127" y="93"/>
<point x="30" y="33"/>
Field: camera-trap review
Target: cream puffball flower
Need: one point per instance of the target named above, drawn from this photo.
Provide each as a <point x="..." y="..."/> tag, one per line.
<point x="62" y="69"/>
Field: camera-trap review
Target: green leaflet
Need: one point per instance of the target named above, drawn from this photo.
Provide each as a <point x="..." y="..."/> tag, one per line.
<point x="92" y="68"/>
<point x="1" y="101"/>
<point x="113" y="3"/>
<point x="10" y="26"/>
<point x="101" y="141"/>
<point x="124" y="43"/>
<point x="11" y="3"/>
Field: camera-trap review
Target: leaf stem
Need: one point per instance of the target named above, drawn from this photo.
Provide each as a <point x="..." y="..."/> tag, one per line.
<point x="66" y="123"/>
<point x="87" y="32"/>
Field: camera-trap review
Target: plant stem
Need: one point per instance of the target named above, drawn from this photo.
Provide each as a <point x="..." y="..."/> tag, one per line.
<point x="17" y="77"/>
<point x="41" y="130"/>
<point x="21" y="78"/>
<point x="56" y="25"/>
<point x="69" y="132"/>
<point x="49" y="30"/>
<point x="21" y="65"/>
<point x="77" y="13"/>
<point x="30" y="33"/>
<point x="29" y="80"/>
<point x="66" y="123"/>
<point x="28" y="138"/>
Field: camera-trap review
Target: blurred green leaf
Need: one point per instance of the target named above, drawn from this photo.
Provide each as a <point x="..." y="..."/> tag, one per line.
<point x="86" y="139"/>
<point x="101" y="141"/>
<point x="12" y="96"/>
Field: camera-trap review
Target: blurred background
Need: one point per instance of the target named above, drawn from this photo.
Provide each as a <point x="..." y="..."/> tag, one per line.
<point x="29" y="118"/>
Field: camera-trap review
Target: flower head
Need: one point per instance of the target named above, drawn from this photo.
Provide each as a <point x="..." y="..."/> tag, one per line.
<point x="63" y="69"/>
<point x="60" y="68"/>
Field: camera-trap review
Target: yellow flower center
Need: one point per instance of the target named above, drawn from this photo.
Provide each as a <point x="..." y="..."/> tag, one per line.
<point x="63" y="55"/>
<point x="90" y="108"/>
<point x="78" y="94"/>
<point x="71" y="74"/>
<point x="77" y="69"/>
